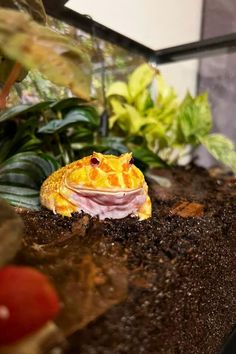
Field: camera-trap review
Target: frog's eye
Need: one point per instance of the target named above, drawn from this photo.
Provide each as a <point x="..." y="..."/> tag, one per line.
<point x="94" y="161"/>
<point x="131" y="161"/>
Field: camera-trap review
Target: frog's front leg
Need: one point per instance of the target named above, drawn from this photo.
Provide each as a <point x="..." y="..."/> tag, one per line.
<point x="145" y="211"/>
<point x="59" y="204"/>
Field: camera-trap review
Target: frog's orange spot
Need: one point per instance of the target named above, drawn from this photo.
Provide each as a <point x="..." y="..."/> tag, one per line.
<point x="89" y="185"/>
<point x="127" y="180"/>
<point x="113" y="180"/>
<point x="126" y="167"/>
<point x="62" y="208"/>
<point x="93" y="174"/>
<point x="105" y="167"/>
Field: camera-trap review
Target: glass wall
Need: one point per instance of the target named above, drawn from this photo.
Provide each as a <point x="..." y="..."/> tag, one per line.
<point x="109" y="63"/>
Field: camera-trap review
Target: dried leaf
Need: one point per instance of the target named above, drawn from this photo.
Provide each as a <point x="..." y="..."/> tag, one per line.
<point x="34" y="7"/>
<point x="88" y="288"/>
<point x="89" y="273"/>
<point x="34" y="46"/>
<point x="187" y="209"/>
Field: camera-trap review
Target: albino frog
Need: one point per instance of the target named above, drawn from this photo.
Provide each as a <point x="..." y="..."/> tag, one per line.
<point x="106" y="186"/>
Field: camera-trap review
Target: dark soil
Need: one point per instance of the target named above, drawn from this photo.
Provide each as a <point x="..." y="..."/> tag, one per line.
<point x="165" y="285"/>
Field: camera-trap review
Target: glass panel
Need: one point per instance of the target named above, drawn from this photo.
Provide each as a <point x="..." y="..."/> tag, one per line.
<point x="215" y="75"/>
<point x="175" y="72"/>
<point x="117" y="61"/>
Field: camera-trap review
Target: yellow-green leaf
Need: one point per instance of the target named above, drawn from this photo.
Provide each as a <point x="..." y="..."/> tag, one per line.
<point x="140" y="79"/>
<point x="166" y="95"/>
<point x="135" y="119"/>
<point x="119" y="88"/>
<point x="195" y="118"/>
<point x="126" y="116"/>
<point x="119" y="116"/>
<point x="221" y="148"/>
<point x="117" y="106"/>
<point x="144" y="101"/>
<point x="155" y="134"/>
<point x="112" y="120"/>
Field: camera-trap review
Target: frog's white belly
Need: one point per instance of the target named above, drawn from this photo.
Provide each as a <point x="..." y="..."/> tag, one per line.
<point x="105" y="204"/>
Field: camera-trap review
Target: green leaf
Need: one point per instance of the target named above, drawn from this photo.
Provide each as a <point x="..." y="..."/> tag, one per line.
<point x="21" y="177"/>
<point x="135" y="120"/>
<point x="89" y="149"/>
<point x="127" y="117"/>
<point x="155" y="135"/>
<point x="148" y="157"/>
<point x="119" y="116"/>
<point x="67" y="103"/>
<point x="195" y="120"/>
<point x="31" y="202"/>
<point x="119" y="88"/>
<point x="75" y="116"/>
<point x="82" y="134"/>
<point x="115" y="143"/>
<point x="140" y="79"/>
<point x="221" y="148"/>
<point x="32" y="144"/>
<point x="42" y="165"/>
<point x="21" y="139"/>
<point x="18" y="177"/>
<point x="15" y="190"/>
<point x="111" y="145"/>
<point x="23" y="110"/>
<point x="117" y="107"/>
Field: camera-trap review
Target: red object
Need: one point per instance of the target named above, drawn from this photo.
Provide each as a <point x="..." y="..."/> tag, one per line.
<point x="27" y="302"/>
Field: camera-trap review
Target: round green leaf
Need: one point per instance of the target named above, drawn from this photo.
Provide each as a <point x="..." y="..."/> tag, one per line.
<point x="119" y="88"/>
<point x="75" y="116"/>
<point x="140" y="79"/>
<point x="21" y="177"/>
<point x="221" y="148"/>
<point x="23" y="110"/>
<point x="148" y="157"/>
<point x="67" y="103"/>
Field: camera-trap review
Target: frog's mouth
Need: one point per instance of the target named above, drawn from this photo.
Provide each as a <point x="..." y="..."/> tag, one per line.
<point x="104" y="202"/>
<point x="82" y="189"/>
<point x="102" y="191"/>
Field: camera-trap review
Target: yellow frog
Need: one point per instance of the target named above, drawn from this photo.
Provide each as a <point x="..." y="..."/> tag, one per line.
<point x="106" y="186"/>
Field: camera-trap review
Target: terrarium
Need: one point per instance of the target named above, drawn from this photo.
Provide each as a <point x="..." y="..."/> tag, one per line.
<point x="117" y="182"/>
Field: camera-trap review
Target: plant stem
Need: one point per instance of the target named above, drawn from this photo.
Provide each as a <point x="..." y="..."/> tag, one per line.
<point x="9" y="83"/>
<point x="61" y="149"/>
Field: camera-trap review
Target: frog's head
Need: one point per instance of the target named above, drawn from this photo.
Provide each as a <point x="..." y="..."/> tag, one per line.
<point x="106" y="185"/>
<point x="105" y="173"/>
